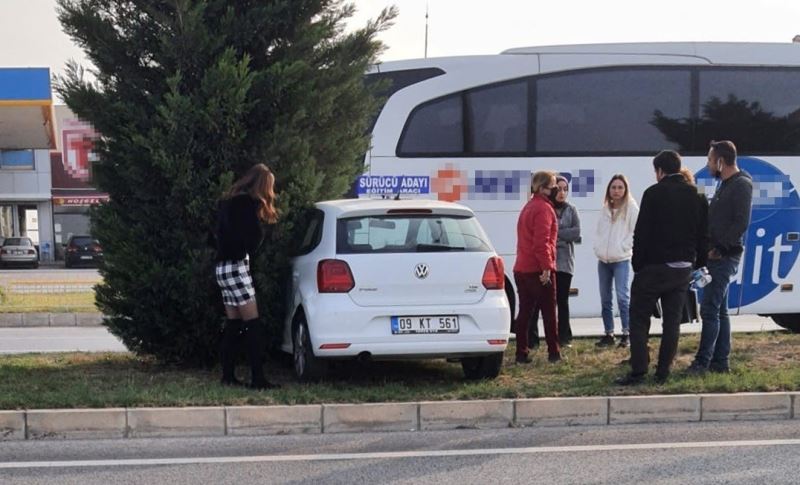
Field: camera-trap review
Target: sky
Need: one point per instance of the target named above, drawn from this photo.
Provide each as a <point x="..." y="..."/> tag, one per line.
<point x="30" y="34"/>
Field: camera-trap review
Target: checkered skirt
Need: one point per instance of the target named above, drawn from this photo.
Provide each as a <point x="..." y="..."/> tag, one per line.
<point x="233" y="278"/>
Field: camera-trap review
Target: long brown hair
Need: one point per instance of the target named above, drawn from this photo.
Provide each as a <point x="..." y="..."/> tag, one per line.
<point x="608" y="202"/>
<point x="259" y="183"/>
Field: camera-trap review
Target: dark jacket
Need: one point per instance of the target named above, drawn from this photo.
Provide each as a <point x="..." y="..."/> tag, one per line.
<point x="729" y="214"/>
<point x="239" y="230"/>
<point x="672" y="225"/>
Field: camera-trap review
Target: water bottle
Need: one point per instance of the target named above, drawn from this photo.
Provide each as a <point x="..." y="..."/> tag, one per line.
<point x="700" y="277"/>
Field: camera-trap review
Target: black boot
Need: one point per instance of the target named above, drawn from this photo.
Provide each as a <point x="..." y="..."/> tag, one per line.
<point x="254" y="343"/>
<point x="229" y="347"/>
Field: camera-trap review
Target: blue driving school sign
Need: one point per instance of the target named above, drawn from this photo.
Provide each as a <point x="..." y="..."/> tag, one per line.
<point x="393" y="184"/>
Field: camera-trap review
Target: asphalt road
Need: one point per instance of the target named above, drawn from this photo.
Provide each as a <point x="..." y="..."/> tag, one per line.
<point x="737" y="452"/>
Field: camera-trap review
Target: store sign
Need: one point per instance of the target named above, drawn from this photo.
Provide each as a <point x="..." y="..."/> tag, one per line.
<point x="79" y="201"/>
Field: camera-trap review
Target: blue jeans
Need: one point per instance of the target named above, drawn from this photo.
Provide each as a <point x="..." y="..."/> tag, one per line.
<point x="715" y="340"/>
<point x="617" y="274"/>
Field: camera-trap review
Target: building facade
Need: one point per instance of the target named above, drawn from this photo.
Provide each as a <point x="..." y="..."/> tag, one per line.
<point x="26" y="137"/>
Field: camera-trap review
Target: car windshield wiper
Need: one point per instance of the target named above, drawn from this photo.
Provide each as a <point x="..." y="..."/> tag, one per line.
<point x="437" y="247"/>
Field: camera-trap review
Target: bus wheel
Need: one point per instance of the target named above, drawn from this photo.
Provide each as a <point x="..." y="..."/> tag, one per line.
<point x="789" y="321"/>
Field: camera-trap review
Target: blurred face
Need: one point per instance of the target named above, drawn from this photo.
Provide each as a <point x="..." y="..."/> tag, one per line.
<point x="563" y="191"/>
<point x="550" y="187"/>
<point x="714" y="164"/>
<point x="617" y="190"/>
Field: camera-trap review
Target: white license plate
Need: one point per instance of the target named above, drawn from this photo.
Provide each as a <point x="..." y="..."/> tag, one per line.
<point x="86" y="257"/>
<point x="19" y="252"/>
<point x="425" y="324"/>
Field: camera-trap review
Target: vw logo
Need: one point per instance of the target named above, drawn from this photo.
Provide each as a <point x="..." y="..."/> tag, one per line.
<point x="421" y="271"/>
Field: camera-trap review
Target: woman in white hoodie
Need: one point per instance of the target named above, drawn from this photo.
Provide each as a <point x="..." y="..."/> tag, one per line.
<point x="613" y="245"/>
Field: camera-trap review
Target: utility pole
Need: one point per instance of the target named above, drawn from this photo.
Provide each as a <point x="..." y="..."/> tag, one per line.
<point x="426" y="30"/>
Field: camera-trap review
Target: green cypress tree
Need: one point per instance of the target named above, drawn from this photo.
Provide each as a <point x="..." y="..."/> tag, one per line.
<point x="187" y="95"/>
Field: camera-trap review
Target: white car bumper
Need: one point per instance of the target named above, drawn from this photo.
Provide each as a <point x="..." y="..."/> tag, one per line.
<point x="334" y="319"/>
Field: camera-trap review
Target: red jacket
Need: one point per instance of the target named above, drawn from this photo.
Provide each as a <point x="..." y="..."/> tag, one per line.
<point x="537" y="233"/>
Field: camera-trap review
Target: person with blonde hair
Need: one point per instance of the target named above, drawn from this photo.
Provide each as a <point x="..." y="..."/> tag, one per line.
<point x="535" y="266"/>
<point x="243" y="209"/>
<point x="613" y="246"/>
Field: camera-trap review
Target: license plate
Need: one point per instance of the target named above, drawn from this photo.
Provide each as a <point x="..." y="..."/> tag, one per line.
<point x="425" y="324"/>
<point x="86" y="257"/>
<point x="19" y="252"/>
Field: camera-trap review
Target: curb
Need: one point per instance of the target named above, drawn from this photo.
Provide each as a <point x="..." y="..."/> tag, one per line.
<point x="15" y="320"/>
<point x="49" y="424"/>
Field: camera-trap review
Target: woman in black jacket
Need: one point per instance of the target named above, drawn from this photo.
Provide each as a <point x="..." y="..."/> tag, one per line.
<point x="243" y="209"/>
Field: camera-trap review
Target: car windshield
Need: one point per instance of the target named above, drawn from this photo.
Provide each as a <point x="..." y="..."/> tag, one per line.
<point x="410" y="234"/>
<point x="18" y="241"/>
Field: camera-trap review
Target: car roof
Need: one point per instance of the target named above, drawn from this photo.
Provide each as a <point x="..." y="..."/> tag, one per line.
<point x="364" y="207"/>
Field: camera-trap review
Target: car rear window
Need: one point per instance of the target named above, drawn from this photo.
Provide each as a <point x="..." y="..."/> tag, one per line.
<point x="82" y="241"/>
<point x="18" y="241"/>
<point x="409" y="234"/>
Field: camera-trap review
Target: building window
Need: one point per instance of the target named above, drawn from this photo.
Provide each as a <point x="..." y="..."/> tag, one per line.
<point x="16" y="159"/>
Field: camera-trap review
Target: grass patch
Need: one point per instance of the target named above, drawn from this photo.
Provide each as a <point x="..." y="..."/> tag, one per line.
<point x="82" y="301"/>
<point x="761" y="362"/>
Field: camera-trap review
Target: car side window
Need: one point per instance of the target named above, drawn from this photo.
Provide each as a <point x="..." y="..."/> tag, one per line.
<point x="313" y="233"/>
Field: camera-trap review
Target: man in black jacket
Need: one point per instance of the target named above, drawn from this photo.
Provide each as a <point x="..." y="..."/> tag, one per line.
<point x="670" y="239"/>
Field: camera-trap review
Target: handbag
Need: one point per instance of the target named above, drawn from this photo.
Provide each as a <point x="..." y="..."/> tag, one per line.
<point x="690" y="312"/>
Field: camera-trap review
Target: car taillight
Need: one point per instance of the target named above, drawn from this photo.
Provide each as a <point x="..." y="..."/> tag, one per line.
<point x="3" y="251"/>
<point x="71" y="249"/>
<point x="494" y="274"/>
<point x="334" y="276"/>
<point x="96" y="248"/>
<point x="31" y="251"/>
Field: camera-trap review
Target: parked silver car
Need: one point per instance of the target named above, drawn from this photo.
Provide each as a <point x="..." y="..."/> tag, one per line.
<point x="18" y="251"/>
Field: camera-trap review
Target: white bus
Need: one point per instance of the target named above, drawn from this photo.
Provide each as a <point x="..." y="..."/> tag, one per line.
<point x="472" y="129"/>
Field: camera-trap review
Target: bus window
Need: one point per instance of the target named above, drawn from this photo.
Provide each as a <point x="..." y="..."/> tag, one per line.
<point x="607" y="111"/>
<point x="435" y="128"/>
<point x="498" y="118"/>
<point x="393" y="81"/>
<point x="759" y="108"/>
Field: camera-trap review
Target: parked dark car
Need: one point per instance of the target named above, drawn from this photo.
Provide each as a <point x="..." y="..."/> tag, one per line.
<point x="18" y="251"/>
<point x="82" y="250"/>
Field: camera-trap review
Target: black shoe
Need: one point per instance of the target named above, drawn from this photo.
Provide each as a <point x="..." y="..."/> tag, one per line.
<point x="533" y="345"/>
<point x="606" y="341"/>
<point x="661" y="378"/>
<point x="523" y="359"/>
<point x="553" y="358"/>
<point x="696" y="369"/>
<point x="630" y="380"/>
<point x="566" y="343"/>
<point x="719" y="369"/>
<point x="623" y="342"/>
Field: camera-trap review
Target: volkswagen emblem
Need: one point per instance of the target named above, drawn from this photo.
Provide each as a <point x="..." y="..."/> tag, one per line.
<point x="421" y="271"/>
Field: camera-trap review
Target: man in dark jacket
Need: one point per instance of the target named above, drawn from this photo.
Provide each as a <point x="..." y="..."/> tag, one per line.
<point x="669" y="240"/>
<point x="728" y="218"/>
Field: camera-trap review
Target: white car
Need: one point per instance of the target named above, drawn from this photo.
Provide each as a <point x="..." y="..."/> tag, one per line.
<point x="396" y="279"/>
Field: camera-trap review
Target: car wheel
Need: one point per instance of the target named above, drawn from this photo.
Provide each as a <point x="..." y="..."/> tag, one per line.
<point x="789" y="321"/>
<point x="307" y="366"/>
<point x="486" y="367"/>
<point x="36" y="265"/>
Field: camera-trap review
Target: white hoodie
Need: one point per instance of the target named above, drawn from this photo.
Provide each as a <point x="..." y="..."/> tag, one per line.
<point x="613" y="240"/>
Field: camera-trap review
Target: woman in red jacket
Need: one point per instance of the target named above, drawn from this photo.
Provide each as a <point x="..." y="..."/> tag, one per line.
<point x="535" y="267"/>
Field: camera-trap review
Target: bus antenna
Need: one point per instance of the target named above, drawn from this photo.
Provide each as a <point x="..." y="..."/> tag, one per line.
<point x="426" y="30"/>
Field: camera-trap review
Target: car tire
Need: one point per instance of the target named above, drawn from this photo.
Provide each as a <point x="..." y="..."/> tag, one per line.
<point x="789" y="321"/>
<point x="307" y="366"/>
<point x="486" y="367"/>
<point x="36" y="265"/>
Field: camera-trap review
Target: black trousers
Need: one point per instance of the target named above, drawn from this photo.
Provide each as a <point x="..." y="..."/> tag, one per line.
<point x="649" y="284"/>
<point x="563" y="282"/>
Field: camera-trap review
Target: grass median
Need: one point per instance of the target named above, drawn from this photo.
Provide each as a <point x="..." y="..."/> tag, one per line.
<point x="761" y="362"/>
